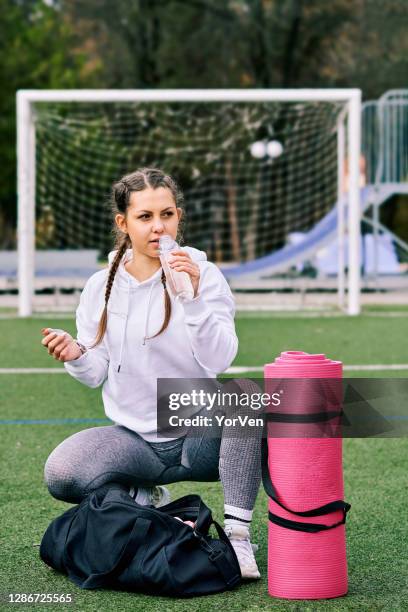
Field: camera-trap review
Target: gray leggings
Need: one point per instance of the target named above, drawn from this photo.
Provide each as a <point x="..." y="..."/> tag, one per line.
<point x="92" y="457"/>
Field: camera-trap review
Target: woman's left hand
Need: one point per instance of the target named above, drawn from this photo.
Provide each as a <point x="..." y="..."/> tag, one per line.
<point x="182" y="262"/>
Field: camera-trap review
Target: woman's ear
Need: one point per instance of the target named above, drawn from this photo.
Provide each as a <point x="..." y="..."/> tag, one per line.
<point x="179" y="213"/>
<point x="121" y="222"/>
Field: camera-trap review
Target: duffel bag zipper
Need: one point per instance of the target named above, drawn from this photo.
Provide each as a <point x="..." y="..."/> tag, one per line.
<point x="183" y="510"/>
<point x="160" y="514"/>
<point x="132" y="505"/>
<point x="157" y="512"/>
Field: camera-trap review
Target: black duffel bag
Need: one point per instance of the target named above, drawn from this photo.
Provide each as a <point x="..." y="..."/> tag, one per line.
<point x="110" y="541"/>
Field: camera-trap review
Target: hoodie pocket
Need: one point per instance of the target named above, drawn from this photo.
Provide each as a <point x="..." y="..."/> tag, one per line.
<point x="132" y="399"/>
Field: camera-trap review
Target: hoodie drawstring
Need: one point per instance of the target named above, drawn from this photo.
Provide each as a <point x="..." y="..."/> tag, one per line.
<point x="147" y="313"/>
<point x="122" y="342"/>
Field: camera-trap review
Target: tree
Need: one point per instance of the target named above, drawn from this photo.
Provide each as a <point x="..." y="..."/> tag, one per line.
<point x="38" y="51"/>
<point x="246" y="43"/>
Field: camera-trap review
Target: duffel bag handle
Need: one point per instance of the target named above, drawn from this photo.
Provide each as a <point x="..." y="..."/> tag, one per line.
<point x="231" y="574"/>
<point x="204" y="519"/>
<point x="198" y="512"/>
<point x="271" y="492"/>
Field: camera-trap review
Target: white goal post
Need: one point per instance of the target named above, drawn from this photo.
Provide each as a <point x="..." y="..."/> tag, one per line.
<point x="348" y="146"/>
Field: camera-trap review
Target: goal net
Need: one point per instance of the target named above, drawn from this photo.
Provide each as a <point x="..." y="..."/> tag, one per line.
<point x="253" y="172"/>
<point x="240" y="202"/>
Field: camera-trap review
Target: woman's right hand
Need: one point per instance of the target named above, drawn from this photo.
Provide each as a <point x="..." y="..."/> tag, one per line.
<point x="60" y="345"/>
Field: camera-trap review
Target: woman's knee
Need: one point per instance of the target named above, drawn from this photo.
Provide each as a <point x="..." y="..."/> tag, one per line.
<point x="71" y="463"/>
<point x="62" y="477"/>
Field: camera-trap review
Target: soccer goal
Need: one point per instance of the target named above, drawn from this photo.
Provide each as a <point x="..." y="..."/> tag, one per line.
<point x="255" y="166"/>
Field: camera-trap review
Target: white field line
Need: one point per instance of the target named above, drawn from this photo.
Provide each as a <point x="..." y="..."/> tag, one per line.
<point x="32" y="371"/>
<point x="231" y="370"/>
<point x="356" y="368"/>
<point x="245" y="311"/>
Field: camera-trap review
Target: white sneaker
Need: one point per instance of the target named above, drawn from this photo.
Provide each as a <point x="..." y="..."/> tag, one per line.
<point x="239" y="538"/>
<point x="151" y="496"/>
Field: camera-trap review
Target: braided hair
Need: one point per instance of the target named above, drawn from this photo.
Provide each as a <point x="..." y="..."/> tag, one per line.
<point x="139" y="180"/>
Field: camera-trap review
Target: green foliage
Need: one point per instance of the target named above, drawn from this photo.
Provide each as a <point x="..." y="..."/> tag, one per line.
<point x="247" y="43"/>
<point x="38" y="51"/>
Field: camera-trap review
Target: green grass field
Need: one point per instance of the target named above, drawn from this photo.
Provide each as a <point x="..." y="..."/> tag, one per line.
<point x="375" y="470"/>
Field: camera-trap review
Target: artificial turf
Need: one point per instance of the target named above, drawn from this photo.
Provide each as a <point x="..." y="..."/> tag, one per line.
<point x="375" y="470"/>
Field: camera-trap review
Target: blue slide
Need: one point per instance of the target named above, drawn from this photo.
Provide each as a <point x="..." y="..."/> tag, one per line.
<point x="319" y="236"/>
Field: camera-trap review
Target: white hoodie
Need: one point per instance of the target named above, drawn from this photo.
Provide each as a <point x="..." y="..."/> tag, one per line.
<point x="199" y="342"/>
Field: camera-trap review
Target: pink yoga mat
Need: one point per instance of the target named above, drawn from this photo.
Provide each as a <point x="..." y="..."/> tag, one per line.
<point x="305" y="476"/>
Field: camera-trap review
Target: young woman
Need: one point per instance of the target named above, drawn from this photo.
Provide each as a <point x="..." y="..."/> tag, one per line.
<point x="130" y="331"/>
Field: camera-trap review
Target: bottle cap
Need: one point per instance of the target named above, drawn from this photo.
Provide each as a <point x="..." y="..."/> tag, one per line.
<point x="166" y="243"/>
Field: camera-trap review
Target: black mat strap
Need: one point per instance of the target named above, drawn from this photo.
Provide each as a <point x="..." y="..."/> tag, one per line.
<point x="308" y="527"/>
<point x="271" y="492"/>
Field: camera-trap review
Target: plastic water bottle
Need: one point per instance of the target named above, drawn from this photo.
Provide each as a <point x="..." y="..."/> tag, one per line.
<point x="179" y="282"/>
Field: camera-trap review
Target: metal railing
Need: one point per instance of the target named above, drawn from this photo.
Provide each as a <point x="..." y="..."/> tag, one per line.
<point x="384" y="142"/>
<point x="384" y="148"/>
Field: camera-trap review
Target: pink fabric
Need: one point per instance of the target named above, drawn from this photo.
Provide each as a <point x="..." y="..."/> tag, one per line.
<point x="306" y="473"/>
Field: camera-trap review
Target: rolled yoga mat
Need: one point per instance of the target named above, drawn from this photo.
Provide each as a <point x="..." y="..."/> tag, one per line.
<point x="303" y="478"/>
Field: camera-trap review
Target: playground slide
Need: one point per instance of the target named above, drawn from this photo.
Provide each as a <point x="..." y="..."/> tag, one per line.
<point x="319" y="236"/>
